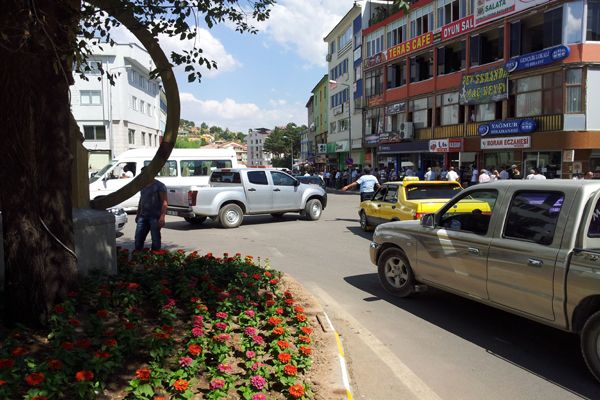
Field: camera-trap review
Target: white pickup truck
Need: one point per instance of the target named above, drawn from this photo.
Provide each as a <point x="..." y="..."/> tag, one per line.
<point x="235" y="192"/>
<point x="532" y="248"/>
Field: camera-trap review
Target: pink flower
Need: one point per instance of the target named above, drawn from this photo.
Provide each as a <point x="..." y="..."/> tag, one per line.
<point x="258" y="339"/>
<point x="258" y="382"/>
<point x="250" y="331"/>
<point x="221" y="326"/>
<point x="221" y="315"/>
<point x="185" y="361"/>
<point x="223" y="337"/>
<point x="197" y="332"/>
<point x="198" y="320"/>
<point x="226" y="368"/>
<point x="250" y="354"/>
<point x="250" y="313"/>
<point x="217" y="384"/>
<point x="239" y="297"/>
<point x="259" y="396"/>
<point x="170" y="304"/>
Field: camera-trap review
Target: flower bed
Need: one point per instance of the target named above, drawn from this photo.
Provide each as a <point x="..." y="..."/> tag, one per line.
<point x="170" y="325"/>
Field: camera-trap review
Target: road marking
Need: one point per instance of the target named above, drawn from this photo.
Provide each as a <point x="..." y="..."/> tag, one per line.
<point x="344" y="369"/>
<point x="404" y="374"/>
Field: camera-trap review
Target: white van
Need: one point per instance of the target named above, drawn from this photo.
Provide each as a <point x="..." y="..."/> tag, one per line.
<point x="184" y="167"/>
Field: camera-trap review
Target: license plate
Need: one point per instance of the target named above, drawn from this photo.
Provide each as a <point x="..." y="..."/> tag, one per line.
<point x="171" y="212"/>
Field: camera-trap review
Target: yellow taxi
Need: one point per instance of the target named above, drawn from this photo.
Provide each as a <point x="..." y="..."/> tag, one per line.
<point x="410" y="199"/>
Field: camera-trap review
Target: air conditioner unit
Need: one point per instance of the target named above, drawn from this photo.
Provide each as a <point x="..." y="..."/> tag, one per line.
<point x="328" y="57"/>
<point x="406" y="131"/>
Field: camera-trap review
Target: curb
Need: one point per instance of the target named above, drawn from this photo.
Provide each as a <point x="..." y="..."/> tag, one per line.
<point x="340" y="348"/>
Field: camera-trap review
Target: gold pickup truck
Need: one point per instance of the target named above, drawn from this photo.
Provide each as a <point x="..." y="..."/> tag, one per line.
<point x="536" y="254"/>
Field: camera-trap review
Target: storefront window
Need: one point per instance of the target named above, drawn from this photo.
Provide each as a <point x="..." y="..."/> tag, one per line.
<point x="574" y="92"/>
<point x="547" y="162"/>
<point x="396" y="74"/>
<point x="421" y="112"/>
<point x="451" y="112"/>
<point x="451" y="58"/>
<point x="498" y="159"/>
<point x="593" y="20"/>
<point x="374" y="82"/>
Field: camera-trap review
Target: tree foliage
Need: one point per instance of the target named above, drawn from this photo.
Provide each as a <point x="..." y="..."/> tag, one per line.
<point x="284" y="141"/>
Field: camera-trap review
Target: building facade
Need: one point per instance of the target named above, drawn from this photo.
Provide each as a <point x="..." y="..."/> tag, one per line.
<point x="255" y="141"/>
<point x="344" y="57"/>
<point x="485" y="84"/>
<point x="320" y="148"/>
<point x="241" y="150"/>
<point x="129" y="115"/>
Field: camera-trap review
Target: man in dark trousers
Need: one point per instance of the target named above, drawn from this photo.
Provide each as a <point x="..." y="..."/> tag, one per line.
<point x="151" y="214"/>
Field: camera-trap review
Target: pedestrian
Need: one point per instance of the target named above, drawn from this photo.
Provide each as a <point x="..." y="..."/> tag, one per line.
<point x="355" y="174"/>
<point x="504" y="173"/>
<point x="484" y="177"/>
<point x="430" y="174"/>
<point x="150" y="215"/>
<point x="327" y="176"/>
<point x="409" y="171"/>
<point x="367" y="183"/>
<point x="383" y="174"/>
<point x="338" y="179"/>
<point x="588" y="175"/>
<point x="534" y="173"/>
<point x="474" y="175"/>
<point x="452" y="175"/>
<point x="514" y="172"/>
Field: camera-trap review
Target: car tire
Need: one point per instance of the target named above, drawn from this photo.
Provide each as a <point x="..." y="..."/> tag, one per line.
<point x="364" y="222"/>
<point x="277" y="215"/>
<point x="395" y="274"/>
<point x="196" y="220"/>
<point x="590" y="344"/>
<point x="313" y="210"/>
<point x="230" y="216"/>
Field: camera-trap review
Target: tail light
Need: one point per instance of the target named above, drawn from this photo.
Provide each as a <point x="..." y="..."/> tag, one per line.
<point x="192" y="194"/>
<point x="419" y="215"/>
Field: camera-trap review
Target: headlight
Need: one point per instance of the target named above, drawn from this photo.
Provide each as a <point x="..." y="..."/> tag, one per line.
<point x="117" y="210"/>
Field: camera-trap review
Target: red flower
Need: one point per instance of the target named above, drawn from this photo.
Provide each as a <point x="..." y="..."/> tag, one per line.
<point x="54" y="364"/>
<point x="102" y="314"/>
<point x="290" y="370"/>
<point x="299" y="309"/>
<point x="279" y="331"/>
<point x="304" y="339"/>
<point x="133" y="286"/>
<point x="289" y="302"/>
<point x="270" y="303"/>
<point x="84" y="375"/>
<point x="195" y="349"/>
<point x="59" y="309"/>
<point x="181" y="385"/>
<point x="274" y="281"/>
<point x="143" y="374"/>
<point x="102" y="354"/>
<point x="74" y="322"/>
<point x="35" y="378"/>
<point x="83" y="343"/>
<point x="283" y="344"/>
<point x="301" y="317"/>
<point x="307" y="330"/>
<point x="18" y="351"/>
<point x="273" y="321"/>
<point x="305" y="350"/>
<point x="296" y="391"/>
<point x="110" y="342"/>
<point x="256" y="276"/>
<point x="7" y="363"/>
<point x="268" y="274"/>
<point x="279" y="311"/>
<point x="285" y="357"/>
<point x="3" y="382"/>
<point x="39" y="398"/>
<point x="72" y="294"/>
<point x="67" y="345"/>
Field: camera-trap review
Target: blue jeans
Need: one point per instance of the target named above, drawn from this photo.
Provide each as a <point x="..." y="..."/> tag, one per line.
<point x="145" y="225"/>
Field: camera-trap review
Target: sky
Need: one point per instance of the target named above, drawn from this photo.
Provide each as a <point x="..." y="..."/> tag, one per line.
<point x="262" y="80"/>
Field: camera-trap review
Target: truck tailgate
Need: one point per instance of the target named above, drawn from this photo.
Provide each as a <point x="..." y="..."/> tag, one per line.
<point x="177" y="196"/>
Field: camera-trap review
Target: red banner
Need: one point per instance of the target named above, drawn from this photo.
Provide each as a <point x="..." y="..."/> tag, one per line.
<point x="457" y="28"/>
<point x="410" y="46"/>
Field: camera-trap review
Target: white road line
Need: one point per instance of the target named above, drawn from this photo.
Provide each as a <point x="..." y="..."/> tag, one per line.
<point x="404" y="374"/>
<point x="343" y="368"/>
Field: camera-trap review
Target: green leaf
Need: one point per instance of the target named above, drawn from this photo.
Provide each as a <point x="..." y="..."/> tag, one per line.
<point x="191" y="77"/>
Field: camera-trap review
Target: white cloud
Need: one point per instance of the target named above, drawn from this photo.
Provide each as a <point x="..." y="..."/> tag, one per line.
<point x="300" y="26"/>
<point x="240" y="116"/>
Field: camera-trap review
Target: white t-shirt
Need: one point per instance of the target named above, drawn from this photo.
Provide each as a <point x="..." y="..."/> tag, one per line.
<point x="452" y="175"/>
<point x="367" y="183"/>
<point x="484" y="178"/>
<point x="127" y="174"/>
<point x="536" y="176"/>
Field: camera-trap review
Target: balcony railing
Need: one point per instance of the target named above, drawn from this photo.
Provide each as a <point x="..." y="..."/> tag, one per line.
<point x="545" y="123"/>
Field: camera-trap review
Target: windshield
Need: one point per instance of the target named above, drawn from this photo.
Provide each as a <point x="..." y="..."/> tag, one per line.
<point x="428" y="191"/>
<point x="98" y="174"/>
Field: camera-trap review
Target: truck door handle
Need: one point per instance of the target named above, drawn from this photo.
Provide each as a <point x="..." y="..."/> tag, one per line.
<point x="252" y="190"/>
<point x="535" y="263"/>
<point x="276" y="190"/>
<point x="473" y="250"/>
<point x="172" y="190"/>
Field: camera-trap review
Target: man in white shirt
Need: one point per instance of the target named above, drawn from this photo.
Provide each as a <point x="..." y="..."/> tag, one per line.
<point x="452" y="175"/>
<point x="368" y="184"/>
<point x="429" y="175"/>
<point x="474" y="175"/>
<point x="535" y="174"/>
<point x="484" y="177"/>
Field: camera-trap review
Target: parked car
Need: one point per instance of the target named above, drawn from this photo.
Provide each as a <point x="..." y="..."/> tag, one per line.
<point x="120" y="217"/>
<point x="408" y="199"/>
<point x="235" y="192"/>
<point x="536" y="254"/>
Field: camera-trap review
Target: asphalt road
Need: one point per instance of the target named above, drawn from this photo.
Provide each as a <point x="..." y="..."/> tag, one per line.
<point x="433" y="346"/>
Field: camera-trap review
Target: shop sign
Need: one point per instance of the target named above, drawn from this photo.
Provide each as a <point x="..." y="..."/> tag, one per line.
<point x="322" y="148"/>
<point x="508" y="127"/>
<point x="568" y="155"/>
<point x="410" y="46"/>
<point x="395" y="108"/>
<point x="457" y="28"/>
<point x="341" y="146"/>
<point x="484" y="86"/>
<point x="372" y="139"/>
<point x="488" y="10"/>
<point x="450" y="145"/>
<point x="538" y="58"/>
<point x="375" y="60"/>
<point x="514" y="142"/>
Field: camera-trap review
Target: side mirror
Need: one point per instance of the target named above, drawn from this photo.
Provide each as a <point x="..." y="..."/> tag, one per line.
<point x="296" y="182"/>
<point x="428" y="220"/>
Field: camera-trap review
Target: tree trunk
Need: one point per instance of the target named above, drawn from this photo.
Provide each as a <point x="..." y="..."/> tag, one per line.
<point x="36" y="46"/>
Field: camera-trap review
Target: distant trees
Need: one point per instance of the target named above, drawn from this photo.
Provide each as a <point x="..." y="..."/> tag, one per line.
<point x="284" y="141"/>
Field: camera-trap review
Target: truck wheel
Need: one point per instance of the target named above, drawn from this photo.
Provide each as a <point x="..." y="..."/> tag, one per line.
<point x="590" y="344"/>
<point x="313" y="209"/>
<point x="364" y="222"/>
<point x="195" y="220"/>
<point x="395" y="274"/>
<point x="231" y="216"/>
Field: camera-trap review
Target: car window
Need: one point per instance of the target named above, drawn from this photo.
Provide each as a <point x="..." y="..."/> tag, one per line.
<point x="225" y="177"/>
<point x="532" y="216"/>
<point x="594" y="228"/>
<point x="201" y="167"/>
<point x="380" y="194"/>
<point x="470" y="213"/>
<point x="422" y="191"/>
<point x="169" y="169"/>
<point x="257" y="177"/>
<point x="392" y="194"/>
<point x="281" y="179"/>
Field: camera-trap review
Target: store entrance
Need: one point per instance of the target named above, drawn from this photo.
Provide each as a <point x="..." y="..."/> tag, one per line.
<point x="547" y="162"/>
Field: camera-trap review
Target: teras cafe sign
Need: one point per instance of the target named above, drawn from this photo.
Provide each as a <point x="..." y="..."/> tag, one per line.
<point x="410" y="46"/>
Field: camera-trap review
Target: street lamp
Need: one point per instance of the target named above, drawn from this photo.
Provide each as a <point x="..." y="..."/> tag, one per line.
<point x="333" y="83"/>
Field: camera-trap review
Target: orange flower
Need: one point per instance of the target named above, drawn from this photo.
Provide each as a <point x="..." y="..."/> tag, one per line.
<point x="296" y="391"/>
<point x="195" y="349"/>
<point x="290" y="370"/>
<point x="282" y="344"/>
<point x="18" y="351"/>
<point x="304" y="339"/>
<point x="284" y="357"/>
<point x="299" y="309"/>
<point x="301" y="317"/>
<point x="181" y="385"/>
<point x="279" y="330"/>
<point x="143" y="374"/>
<point x="84" y="375"/>
<point x="307" y="330"/>
<point x="35" y="378"/>
<point x="159" y="398"/>
<point x="273" y="321"/>
<point x="305" y="350"/>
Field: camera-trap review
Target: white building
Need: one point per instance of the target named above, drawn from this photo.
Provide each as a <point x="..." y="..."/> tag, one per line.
<point x="255" y="141"/>
<point x="125" y="116"/>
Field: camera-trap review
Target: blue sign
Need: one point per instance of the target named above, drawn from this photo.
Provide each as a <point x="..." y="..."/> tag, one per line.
<point x="539" y="58"/>
<point x="508" y="127"/>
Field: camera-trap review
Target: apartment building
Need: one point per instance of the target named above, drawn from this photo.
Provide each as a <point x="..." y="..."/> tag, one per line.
<point x="484" y="83"/>
<point x="129" y="115"/>
<point x="255" y="141"/>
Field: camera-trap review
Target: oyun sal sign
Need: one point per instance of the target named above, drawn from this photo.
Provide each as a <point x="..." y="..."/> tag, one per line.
<point x="539" y="58"/>
<point x="508" y="127"/>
